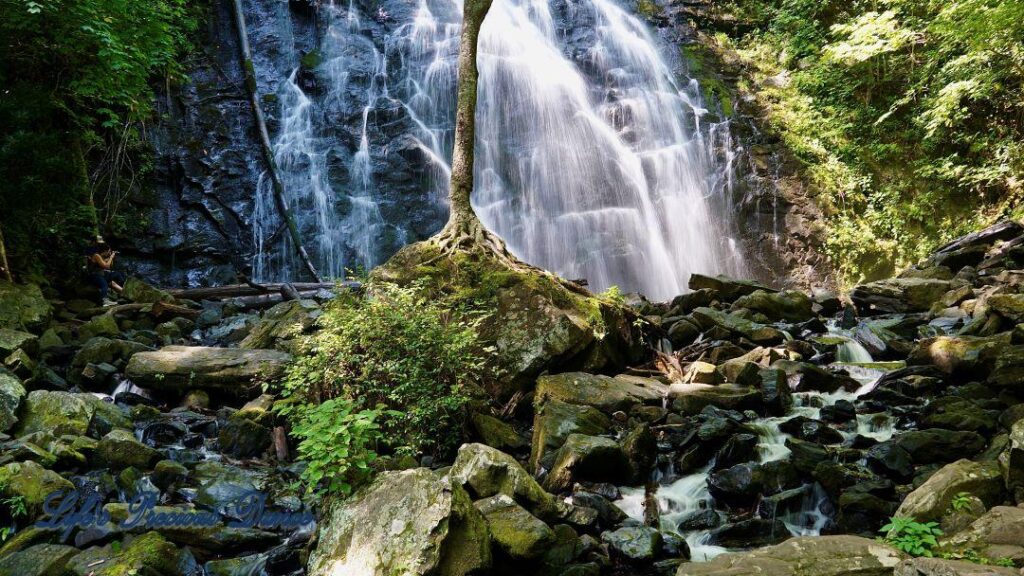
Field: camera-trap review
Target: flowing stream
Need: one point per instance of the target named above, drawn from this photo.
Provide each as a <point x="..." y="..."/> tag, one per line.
<point x="681" y="498"/>
<point x="594" y="159"/>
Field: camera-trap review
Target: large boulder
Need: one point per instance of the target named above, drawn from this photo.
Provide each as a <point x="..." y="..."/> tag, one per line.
<point x="968" y="356"/>
<point x="996" y="535"/>
<point x="939" y="446"/>
<point x="11" y="395"/>
<point x="932" y="500"/>
<point x="516" y="532"/>
<point x="896" y="295"/>
<point x="602" y="392"/>
<point x="484" y="472"/>
<point x="11" y="340"/>
<point x="1008" y="368"/>
<point x="691" y="399"/>
<point x="135" y="290"/>
<point x="725" y="288"/>
<point x="282" y="323"/>
<point x="413" y="523"/>
<point x="37" y="560"/>
<point x="1011" y="461"/>
<point x="31" y="483"/>
<point x="234" y="371"/>
<point x="592" y="458"/>
<point x="940" y="567"/>
<point x="709" y="318"/>
<point x="533" y="321"/>
<point x="58" y="413"/>
<point x="554" y="421"/>
<point x="634" y="543"/>
<point x="804" y="556"/>
<point x="1009" y="306"/>
<point x="806" y="377"/>
<point x="119" y="449"/>
<point x="788" y="306"/>
<point x="22" y="307"/>
<point x="101" y="350"/>
<point x="146" y="555"/>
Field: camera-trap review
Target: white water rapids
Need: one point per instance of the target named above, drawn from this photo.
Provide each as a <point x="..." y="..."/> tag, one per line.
<point x="592" y="161"/>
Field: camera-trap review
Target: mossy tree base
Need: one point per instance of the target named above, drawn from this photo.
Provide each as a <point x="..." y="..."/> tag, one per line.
<point x="534" y="321"/>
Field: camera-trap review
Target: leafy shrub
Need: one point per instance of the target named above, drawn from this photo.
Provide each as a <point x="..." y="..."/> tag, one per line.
<point x="392" y="367"/>
<point x="337" y="442"/>
<point x="914" y="538"/>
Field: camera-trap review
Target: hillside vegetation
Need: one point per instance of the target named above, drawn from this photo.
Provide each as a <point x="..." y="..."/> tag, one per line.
<point x="906" y="114"/>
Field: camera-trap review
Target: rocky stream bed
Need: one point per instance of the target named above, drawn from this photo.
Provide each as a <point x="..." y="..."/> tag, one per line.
<point x="767" y="432"/>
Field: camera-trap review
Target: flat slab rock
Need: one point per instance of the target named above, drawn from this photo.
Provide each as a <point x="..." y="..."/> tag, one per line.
<point x="236" y="371"/>
<point x="804" y="556"/>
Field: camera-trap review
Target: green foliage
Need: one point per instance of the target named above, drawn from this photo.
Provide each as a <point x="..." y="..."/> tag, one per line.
<point x="906" y="114"/>
<point x="77" y="78"/>
<point x="971" y="555"/>
<point x="961" y="501"/>
<point x="396" y="349"/>
<point x="914" y="538"/>
<point x="11" y="508"/>
<point x="337" y="442"/>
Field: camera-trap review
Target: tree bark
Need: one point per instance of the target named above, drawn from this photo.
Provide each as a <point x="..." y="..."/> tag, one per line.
<point x="464" y="230"/>
<point x="5" y="267"/>
<point x="268" y="151"/>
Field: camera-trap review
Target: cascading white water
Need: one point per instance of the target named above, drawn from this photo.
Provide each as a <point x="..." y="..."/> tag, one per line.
<point x="596" y="168"/>
<point x="591" y="160"/>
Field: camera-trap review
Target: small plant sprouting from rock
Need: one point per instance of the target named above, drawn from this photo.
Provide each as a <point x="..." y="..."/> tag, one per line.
<point x="961" y="502"/>
<point x="910" y="536"/>
<point x="971" y="555"/>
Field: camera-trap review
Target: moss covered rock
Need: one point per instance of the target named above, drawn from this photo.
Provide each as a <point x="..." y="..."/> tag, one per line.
<point x="60" y="413"/>
<point x="119" y="449"/>
<point x="102" y="325"/>
<point x="484" y="472"/>
<point x="519" y="534"/>
<point x="554" y="421"/>
<point x="496" y="433"/>
<point x="634" y="543"/>
<point x="804" y="556"/>
<point x="281" y="324"/>
<point x="413" y="523"/>
<point x="233" y="371"/>
<point x="709" y="318"/>
<point x="138" y="291"/>
<point x="146" y="555"/>
<point x="11" y="340"/>
<point x="11" y="395"/>
<point x="589" y="458"/>
<point x="601" y="392"/>
<point x="30" y="482"/>
<point x="22" y="306"/>
<point x="533" y="320"/>
<point x="38" y="560"/>
<point x="932" y="500"/>
<point x="896" y="295"/>
<point x="789" y="306"/>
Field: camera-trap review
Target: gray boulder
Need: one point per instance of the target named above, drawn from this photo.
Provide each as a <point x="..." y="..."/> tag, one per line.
<point x="519" y="534"/>
<point x="412" y="522"/>
<point x="931" y="501"/>
<point x="804" y="556"/>
<point x="22" y="306"/>
<point x="234" y="371"/>
<point x="940" y="567"/>
<point x="591" y="458"/>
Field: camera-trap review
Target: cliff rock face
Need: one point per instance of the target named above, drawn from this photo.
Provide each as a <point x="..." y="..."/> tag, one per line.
<point x="358" y="166"/>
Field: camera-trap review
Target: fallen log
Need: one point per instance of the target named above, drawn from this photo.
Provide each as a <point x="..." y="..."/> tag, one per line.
<point x="264" y="139"/>
<point x="240" y="290"/>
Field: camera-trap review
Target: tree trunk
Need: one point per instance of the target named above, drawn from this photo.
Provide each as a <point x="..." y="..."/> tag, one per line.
<point x="264" y="137"/>
<point x="464" y="230"/>
<point x="5" y="267"/>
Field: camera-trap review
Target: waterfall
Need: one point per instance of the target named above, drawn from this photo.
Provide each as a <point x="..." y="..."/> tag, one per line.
<point x="593" y="161"/>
